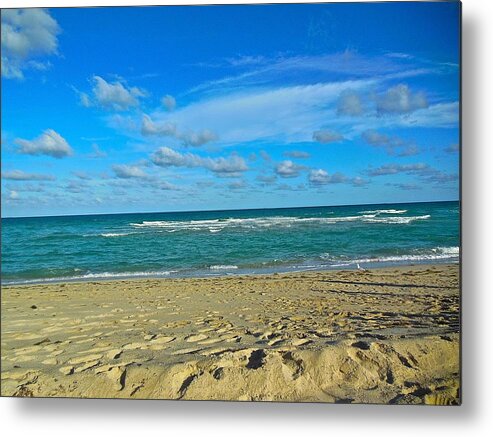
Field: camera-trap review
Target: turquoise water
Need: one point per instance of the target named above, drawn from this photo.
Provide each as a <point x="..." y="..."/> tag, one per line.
<point x="227" y="242"/>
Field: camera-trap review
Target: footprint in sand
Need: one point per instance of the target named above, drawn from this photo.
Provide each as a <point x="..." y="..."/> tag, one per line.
<point x="210" y="341"/>
<point x="85" y="359"/>
<point x="195" y="338"/>
<point x="86" y="366"/>
<point x="133" y="346"/>
<point x="67" y="370"/>
<point x="300" y="341"/>
<point x="186" y="351"/>
<point x="114" y="354"/>
<point x="117" y="376"/>
<point x="162" y="340"/>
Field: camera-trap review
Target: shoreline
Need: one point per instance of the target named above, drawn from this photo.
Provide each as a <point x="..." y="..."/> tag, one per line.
<point x="388" y="335"/>
<point x="373" y="267"/>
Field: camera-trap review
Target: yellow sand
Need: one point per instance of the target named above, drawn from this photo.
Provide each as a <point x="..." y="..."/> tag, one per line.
<point x="380" y="336"/>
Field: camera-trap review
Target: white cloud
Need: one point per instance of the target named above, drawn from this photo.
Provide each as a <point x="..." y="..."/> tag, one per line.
<point x="400" y="100"/>
<point x="161" y="129"/>
<point x="97" y="152"/>
<point x="227" y="167"/>
<point x="48" y="143"/>
<point x="288" y="169"/>
<point x="439" y="115"/>
<point x="85" y="100"/>
<point x="165" y="186"/>
<point x="327" y="136"/>
<point x="286" y="187"/>
<point x="27" y="187"/>
<point x="19" y="175"/>
<point x="320" y="177"/>
<point x="75" y="187"/>
<point x="27" y="34"/>
<point x="169" y="102"/>
<point x="423" y="171"/>
<point x="268" y="70"/>
<point x="349" y="103"/>
<point x="390" y="169"/>
<point x="266" y="180"/>
<point x="392" y="144"/>
<point x="82" y="175"/>
<point x="168" y="129"/>
<point x="13" y="195"/>
<point x="286" y="114"/>
<point x="237" y="185"/>
<point x="129" y="171"/>
<point x="297" y="154"/>
<point x="453" y="148"/>
<point x="115" y="96"/>
<point x="197" y="138"/>
<point x="375" y="138"/>
<point x="405" y="187"/>
<point x="410" y="150"/>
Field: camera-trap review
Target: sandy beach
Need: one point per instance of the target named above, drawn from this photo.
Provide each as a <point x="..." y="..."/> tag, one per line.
<point x="377" y="336"/>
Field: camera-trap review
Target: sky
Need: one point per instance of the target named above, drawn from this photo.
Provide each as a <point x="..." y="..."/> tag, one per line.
<point x="143" y="109"/>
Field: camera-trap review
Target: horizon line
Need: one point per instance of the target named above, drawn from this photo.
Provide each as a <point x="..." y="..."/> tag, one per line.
<point x="222" y="210"/>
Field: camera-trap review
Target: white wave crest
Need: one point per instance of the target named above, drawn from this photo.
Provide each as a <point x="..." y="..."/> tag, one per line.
<point x="223" y="267"/>
<point x="385" y="211"/>
<point x="397" y="220"/>
<point x="96" y="276"/>
<point x="437" y="253"/>
<point x="115" y="234"/>
<point x="218" y="225"/>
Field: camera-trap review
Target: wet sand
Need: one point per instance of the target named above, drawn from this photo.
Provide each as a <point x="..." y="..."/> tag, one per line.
<point x="379" y="336"/>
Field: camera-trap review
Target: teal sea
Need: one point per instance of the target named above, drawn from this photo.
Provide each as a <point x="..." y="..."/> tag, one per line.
<point x="209" y="243"/>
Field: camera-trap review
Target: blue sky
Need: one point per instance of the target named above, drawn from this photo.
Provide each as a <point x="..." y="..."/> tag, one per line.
<point x="223" y="107"/>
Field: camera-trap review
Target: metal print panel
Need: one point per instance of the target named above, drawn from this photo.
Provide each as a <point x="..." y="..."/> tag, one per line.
<point x="237" y="203"/>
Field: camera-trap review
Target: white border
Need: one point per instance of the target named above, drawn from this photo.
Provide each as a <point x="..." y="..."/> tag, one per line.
<point x="58" y="417"/>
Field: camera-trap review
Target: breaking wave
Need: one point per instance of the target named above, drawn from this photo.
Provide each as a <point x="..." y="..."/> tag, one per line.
<point x="218" y="225"/>
<point x="434" y="254"/>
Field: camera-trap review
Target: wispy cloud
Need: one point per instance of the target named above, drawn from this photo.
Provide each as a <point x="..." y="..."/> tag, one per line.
<point x="391" y="169"/>
<point x="423" y="171"/>
<point x="266" y="180"/>
<point x="392" y="144"/>
<point x="264" y="71"/>
<point x="286" y="114"/>
<point x="238" y="185"/>
<point x="81" y="175"/>
<point x="297" y="154"/>
<point x="97" y="152"/>
<point x="19" y="175"/>
<point x="350" y="103"/>
<point x="169" y="102"/>
<point x="327" y="136"/>
<point x="405" y="186"/>
<point x="283" y="113"/>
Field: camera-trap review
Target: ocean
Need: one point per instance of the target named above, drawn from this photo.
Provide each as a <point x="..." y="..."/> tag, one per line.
<point x="213" y="243"/>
